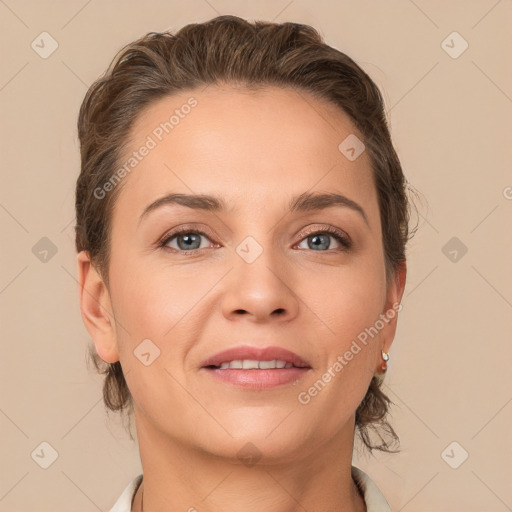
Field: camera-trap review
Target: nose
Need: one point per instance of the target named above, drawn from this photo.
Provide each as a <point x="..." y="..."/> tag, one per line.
<point x="261" y="291"/>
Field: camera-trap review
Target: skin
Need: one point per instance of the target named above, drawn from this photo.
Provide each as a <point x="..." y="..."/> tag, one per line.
<point x="256" y="150"/>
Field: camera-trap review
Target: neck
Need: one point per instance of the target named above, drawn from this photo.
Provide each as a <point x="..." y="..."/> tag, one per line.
<point x="181" y="477"/>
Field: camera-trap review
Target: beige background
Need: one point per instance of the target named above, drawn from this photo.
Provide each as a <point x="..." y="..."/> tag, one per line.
<point x="449" y="372"/>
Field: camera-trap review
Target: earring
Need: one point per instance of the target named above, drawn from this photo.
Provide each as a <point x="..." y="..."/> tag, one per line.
<point x="385" y="359"/>
<point x="383" y="366"/>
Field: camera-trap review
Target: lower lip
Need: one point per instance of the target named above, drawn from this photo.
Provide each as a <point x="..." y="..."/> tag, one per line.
<point x="258" y="379"/>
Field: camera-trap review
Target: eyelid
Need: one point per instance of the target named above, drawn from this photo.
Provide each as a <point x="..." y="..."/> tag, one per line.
<point x="343" y="236"/>
<point x="171" y="233"/>
<point x="329" y="230"/>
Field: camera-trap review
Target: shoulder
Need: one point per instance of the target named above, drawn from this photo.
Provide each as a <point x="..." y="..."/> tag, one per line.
<point x="374" y="499"/>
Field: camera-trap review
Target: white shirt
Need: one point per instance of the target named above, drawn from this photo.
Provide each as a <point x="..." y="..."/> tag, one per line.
<point x="374" y="499"/>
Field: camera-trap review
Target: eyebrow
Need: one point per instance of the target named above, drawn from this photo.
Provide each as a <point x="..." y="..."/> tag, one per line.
<point x="305" y="202"/>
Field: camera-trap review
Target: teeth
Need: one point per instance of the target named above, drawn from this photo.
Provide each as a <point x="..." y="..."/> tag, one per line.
<point x="251" y="364"/>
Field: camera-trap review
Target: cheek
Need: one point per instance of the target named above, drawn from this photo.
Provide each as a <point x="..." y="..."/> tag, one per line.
<point x="349" y="340"/>
<point x="164" y="304"/>
<point x="154" y="306"/>
<point x="355" y="298"/>
<point x="150" y="297"/>
<point x="355" y="301"/>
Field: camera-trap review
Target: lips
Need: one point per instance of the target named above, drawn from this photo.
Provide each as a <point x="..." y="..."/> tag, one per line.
<point x="249" y="353"/>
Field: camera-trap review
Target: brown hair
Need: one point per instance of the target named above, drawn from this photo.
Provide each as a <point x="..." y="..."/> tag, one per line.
<point x="229" y="49"/>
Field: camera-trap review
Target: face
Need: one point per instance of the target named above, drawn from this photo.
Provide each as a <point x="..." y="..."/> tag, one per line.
<point x="249" y="273"/>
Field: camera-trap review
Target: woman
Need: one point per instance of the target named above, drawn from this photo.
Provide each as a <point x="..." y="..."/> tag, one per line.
<point x="241" y="227"/>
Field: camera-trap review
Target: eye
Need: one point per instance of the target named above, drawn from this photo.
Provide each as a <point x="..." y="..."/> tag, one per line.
<point x="320" y="240"/>
<point x="187" y="240"/>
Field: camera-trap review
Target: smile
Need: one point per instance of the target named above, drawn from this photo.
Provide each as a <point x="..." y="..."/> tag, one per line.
<point x="252" y="364"/>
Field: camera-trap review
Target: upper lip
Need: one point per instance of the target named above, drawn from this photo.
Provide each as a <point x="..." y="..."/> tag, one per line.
<point x="242" y="352"/>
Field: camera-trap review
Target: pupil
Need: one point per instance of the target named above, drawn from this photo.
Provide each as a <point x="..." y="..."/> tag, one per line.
<point x="188" y="240"/>
<point x="318" y="237"/>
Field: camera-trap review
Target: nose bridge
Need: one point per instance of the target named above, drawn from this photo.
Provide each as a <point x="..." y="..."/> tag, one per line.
<point x="257" y="250"/>
<point x="257" y="259"/>
<point x="258" y="283"/>
<point x="254" y="227"/>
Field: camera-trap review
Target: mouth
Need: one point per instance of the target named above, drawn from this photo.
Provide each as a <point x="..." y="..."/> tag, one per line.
<point x="248" y="357"/>
<point x="256" y="368"/>
<point x="253" y="364"/>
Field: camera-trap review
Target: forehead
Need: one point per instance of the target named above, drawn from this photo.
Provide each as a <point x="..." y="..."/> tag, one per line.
<point x="228" y="110"/>
<point x="244" y="145"/>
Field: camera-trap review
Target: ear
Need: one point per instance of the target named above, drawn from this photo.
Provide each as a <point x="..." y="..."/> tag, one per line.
<point x="96" y="308"/>
<point x="393" y="298"/>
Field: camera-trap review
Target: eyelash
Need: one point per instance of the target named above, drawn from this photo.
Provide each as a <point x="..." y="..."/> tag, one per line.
<point x="343" y="239"/>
